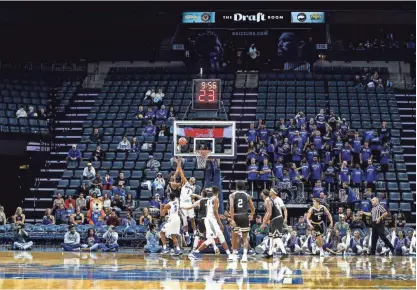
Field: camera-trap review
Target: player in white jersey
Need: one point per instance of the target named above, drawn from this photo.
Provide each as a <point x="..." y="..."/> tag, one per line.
<point x="172" y="226"/>
<point x="187" y="193"/>
<point x="213" y="224"/>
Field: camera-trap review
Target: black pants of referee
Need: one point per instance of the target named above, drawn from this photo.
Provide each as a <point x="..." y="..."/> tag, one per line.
<point x="378" y="231"/>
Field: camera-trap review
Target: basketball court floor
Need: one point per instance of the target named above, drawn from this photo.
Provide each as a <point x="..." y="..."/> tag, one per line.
<point x="133" y="270"/>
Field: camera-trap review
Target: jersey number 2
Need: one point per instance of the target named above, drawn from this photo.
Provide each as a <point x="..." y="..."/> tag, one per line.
<point x="240" y="203"/>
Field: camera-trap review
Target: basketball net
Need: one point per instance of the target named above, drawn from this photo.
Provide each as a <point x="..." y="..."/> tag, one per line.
<point x="202" y="156"/>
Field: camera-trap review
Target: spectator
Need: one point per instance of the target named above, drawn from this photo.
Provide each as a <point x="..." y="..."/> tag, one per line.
<point x="134" y="145"/>
<point x="365" y="155"/>
<point x="48" y="218"/>
<point x="340" y="211"/>
<point x="171" y="113"/>
<point x="96" y="137"/>
<point x="293" y="244"/>
<point x="89" y="172"/>
<point x="150" y="114"/>
<point x="323" y="199"/>
<point x="150" y="94"/>
<point x="153" y="164"/>
<point x="19" y="216"/>
<point x="113" y="219"/>
<point x="92" y="239"/>
<point x="371" y="176"/>
<point x="149" y="130"/>
<point x="108" y="182"/>
<point x="257" y="233"/>
<point x="58" y="201"/>
<point x="159" y="183"/>
<point x="344" y="174"/>
<point x="121" y="178"/>
<point x="74" y="154"/>
<point x="401" y="243"/>
<point x="383" y="200"/>
<point x="94" y="190"/>
<point x="98" y="181"/>
<point x="32" y="113"/>
<point x="349" y="216"/>
<point x="145" y="219"/>
<point x="163" y="130"/>
<point x="251" y="134"/>
<point x="129" y="203"/>
<point x="117" y="203"/>
<point x="77" y="217"/>
<point x="119" y="190"/>
<point x="124" y="145"/>
<point x="83" y="189"/>
<point x="42" y="114"/>
<point x="81" y="202"/>
<point x="162" y="113"/>
<point x="389" y="83"/>
<point x="66" y="215"/>
<point x="158" y="97"/>
<point x="70" y="200"/>
<point x="265" y="174"/>
<point x="400" y="221"/>
<point x="342" y="226"/>
<point x="152" y="240"/>
<point x="59" y="214"/>
<point x="357" y="177"/>
<point x="20" y="238"/>
<point x="357" y="223"/>
<point x="128" y="221"/>
<point x="301" y="226"/>
<point x="97" y="154"/>
<point x="3" y="218"/>
<point x="21" y="113"/>
<point x="384" y="158"/>
<point x="106" y="201"/>
<point x="154" y="206"/>
<point x="140" y="113"/>
<point x="111" y="244"/>
<point x="71" y="240"/>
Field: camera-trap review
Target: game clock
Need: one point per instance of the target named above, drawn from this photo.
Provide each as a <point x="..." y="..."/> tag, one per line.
<point x="206" y="94"/>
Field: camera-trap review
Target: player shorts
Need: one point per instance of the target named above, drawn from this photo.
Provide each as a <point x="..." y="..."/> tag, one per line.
<point x="187" y="212"/>
<point x="318" y="229"/>
<point x="172" y="226"/>
<point x="242" y="223"/>
<point x="212" y="228"/>
<point x="275" y="227"/>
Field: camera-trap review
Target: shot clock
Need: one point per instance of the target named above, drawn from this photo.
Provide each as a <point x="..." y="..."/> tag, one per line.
<point x="206" y="94"/>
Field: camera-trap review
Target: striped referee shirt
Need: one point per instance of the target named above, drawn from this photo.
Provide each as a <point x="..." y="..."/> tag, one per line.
<point x="377" y="211"/>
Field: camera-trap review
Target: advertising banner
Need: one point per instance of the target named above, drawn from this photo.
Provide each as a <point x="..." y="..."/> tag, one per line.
<point x="198" y="17"/>
<point x="307" y="17"/>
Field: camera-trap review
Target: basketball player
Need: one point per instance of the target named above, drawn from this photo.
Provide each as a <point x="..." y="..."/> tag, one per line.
<point x="315" y="213"/>
<point x="201" y="204"/>
<point x="239" y="201"/>
<point x="172" y="226"/>
<point x="276" y="216"/>
<point x="187" y="192"/>
<point x="213" y="225"/>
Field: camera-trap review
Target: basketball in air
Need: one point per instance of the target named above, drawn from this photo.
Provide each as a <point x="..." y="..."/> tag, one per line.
<point x="182" y="141"/>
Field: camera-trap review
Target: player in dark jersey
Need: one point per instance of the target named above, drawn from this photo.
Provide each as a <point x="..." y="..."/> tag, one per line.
<point x="315" y="221"/>
<point x="276" y="217"/>
<point x="239" y="201"/>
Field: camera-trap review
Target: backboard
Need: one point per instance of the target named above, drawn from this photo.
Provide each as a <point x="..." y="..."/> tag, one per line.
<point x="217" y="136"/>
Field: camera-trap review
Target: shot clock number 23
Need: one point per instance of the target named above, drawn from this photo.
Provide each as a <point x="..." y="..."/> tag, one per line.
<point x="206" y="94"/>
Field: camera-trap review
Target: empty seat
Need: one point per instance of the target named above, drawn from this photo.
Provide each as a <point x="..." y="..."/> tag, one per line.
<point x="405" y="207"/>
<point x="408" y="196"/>
<point x="395" y="196"/>
<point x="134" y="183"/>
<point x="405" y="186"/>
<point x="393" y="206"/>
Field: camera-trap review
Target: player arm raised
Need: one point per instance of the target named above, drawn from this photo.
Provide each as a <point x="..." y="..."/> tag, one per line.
<point x="165" y="209"/>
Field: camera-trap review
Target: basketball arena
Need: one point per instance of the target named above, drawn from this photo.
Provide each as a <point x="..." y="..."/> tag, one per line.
<point x="221" y="145"/>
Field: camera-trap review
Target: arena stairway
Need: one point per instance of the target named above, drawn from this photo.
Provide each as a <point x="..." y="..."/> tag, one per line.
<point x="242" y="110"/>
<point x="69" y="125"/>
<point x="406" y="107"/>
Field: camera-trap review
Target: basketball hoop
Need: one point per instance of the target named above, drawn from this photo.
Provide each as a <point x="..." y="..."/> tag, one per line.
<point x="202" y="156"/>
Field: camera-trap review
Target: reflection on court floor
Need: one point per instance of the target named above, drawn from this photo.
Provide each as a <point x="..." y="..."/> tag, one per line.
<point x="52" y="270"/>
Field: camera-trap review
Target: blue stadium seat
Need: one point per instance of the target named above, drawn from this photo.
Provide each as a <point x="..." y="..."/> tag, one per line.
<point x="405" y="207"/>
<point x="393" y="207"/>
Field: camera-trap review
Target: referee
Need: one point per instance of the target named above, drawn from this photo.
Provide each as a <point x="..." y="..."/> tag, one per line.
<point x="378" y="213"/>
